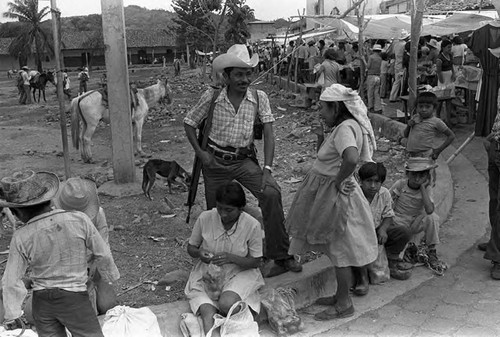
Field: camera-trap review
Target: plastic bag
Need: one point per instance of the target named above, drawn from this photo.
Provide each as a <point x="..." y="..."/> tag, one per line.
<point x="240" y="324"/>
<point x="378" y="270"/>
<point x="321" y="79"/>
<point x="213" y="281"/>
<point x="282" y="316"/>
<point x="123" y="321"/>
<point x="17" y="332"/>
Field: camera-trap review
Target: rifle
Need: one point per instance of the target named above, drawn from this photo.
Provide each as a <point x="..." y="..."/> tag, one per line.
<point x="205" y="127"/>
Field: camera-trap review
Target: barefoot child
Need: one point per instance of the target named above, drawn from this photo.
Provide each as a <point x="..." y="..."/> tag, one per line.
<point x="414" y="205"/>
<point x="394" y="237"/>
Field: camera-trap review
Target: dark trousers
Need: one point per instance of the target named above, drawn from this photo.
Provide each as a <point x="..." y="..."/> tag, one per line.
<point x="54" y="309"/>
<point x="83" y="87"/>
<point x="249" y="174"/>
<point x="25" y="97"/>
<point x="493" y="248"/>
<point x="397" y="238"/>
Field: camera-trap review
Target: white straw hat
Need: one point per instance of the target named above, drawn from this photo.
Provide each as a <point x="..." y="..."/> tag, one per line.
<point x="78" y="194"/>
<point x="237" y="56"/>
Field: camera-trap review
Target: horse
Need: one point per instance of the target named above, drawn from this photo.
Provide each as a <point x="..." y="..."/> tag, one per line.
<point x="87" y="110"/>
<point x="11" y="73"/>
<point x="39" y="81"/>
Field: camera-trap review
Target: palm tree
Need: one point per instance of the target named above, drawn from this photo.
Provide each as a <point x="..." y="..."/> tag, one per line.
<point x="239" y="15"/>
<point x="26" y="12"/>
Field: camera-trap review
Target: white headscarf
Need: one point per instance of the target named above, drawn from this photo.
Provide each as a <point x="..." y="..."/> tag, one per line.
<point x="337" y="92"/>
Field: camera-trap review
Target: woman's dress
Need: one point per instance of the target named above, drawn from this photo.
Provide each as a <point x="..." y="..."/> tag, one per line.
<point x="322" y="218"/>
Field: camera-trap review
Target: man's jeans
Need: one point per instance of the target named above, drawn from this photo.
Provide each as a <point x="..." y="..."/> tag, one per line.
<point x="373" y="88"/>
<point x="493" y="248"/>
<point x="249" y="174"/>
<point x="54" y="309"/>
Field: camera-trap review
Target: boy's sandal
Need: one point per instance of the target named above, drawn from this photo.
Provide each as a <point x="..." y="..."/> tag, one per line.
<point x="333" y="313"/>
<point x="328" y="300"/>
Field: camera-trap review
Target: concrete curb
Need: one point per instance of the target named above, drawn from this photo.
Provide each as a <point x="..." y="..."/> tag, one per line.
<point x="318" y="277"/>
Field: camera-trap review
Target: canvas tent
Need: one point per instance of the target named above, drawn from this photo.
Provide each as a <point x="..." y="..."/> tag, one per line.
<point x="389" y="28"/>
<point x="456" y="23"/>
<point x="386" y="28"/>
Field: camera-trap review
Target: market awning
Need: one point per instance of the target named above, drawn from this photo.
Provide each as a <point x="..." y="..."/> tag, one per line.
<point x="456" y="23"/>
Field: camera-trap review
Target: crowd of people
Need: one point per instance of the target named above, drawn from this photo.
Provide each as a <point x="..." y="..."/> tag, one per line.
<point x="340" y="208"/>
<point x="385" y="64"/>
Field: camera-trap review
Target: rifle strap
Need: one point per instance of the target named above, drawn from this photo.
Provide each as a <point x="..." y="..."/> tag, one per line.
<point x="256" y="97"/>
<point x="208" y="121"/>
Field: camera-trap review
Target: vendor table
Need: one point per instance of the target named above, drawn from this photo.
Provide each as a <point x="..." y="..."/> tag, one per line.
<point x="445" y="100"/>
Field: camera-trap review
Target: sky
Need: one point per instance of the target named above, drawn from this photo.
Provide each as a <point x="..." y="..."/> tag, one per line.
<point x="264" y="9"/>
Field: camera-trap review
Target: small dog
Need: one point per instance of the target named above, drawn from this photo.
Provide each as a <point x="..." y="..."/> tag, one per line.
<point x="167" y="169"/>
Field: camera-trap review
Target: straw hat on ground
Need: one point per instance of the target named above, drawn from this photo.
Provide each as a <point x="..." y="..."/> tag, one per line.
<point x="78" y="194"/>
<point x="237" y="56"/>
<point x="417" y="164"/>
<point x="27" y="188"/>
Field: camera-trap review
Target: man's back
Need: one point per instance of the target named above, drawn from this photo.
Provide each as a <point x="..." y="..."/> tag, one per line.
<point x="54" y="245"/>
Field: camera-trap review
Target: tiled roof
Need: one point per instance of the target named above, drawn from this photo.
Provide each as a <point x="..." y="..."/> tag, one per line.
<point x="149" y="38"/>
<point x="4" y="45"/>
<point x="135" y="38"/>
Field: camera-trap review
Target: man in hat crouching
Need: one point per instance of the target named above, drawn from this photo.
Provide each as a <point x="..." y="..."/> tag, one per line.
<point x="231" y="153"/>
<point x="54" y="245"/>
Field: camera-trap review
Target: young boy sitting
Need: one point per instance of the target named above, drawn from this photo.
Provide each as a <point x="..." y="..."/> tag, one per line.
<point x="414" y="207"/>
<point x="393" y="236"/>
<point x="424" y="128"/>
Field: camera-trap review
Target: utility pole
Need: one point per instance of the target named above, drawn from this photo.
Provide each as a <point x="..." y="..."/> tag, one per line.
<point x="60" y="94"/>
<point x="113" y="24"/>
<point x="417" y="13"/>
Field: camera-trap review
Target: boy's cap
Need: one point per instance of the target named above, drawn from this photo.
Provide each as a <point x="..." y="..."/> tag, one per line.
<point x="418" y="164"/>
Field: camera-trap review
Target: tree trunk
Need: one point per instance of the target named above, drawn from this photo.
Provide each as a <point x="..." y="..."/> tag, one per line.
<point x="416" y="28"/>
<point x="38" y="54"/>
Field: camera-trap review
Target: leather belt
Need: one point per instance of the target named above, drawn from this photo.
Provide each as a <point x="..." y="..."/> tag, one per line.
<point x="226" y="155"/>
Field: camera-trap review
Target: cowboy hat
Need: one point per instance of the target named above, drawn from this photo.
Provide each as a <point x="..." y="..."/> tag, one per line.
<point x="236" y="56"/>
<point x="433" y="43"/>
<point x="417" y="164"/>
<point x="27" y="188"/>
<point x="377" y="47"/>
<point x="403" y="34"/>
<point x="25" y="68"/>
<point x="78" y="194"/>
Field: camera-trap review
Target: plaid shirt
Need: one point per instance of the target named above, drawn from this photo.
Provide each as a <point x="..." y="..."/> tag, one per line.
<point x="495" y="129"/>
<point x="230" y="128"/>
<point x="54" y="245"/>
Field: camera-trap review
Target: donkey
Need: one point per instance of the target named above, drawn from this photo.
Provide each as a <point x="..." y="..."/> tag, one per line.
<point x="39" y="81"/>
<point x="88" y="109"/>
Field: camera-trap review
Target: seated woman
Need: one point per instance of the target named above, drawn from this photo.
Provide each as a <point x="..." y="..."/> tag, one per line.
<point x="231" y="239"/>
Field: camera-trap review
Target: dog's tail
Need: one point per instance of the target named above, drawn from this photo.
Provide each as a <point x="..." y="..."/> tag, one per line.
<point x="75" y="122"/>
<point x="145" y="179"/>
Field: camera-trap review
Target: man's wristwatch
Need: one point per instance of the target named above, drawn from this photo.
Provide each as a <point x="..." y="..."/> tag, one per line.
<point x="269" y="168"/>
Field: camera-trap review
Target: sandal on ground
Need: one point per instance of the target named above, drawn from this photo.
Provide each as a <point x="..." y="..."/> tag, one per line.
<point x="328" y="300"/>
<point x="333" y="313"/>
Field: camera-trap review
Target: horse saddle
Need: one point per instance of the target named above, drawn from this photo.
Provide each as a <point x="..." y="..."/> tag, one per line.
<point x="134" y="101"/>
<point x="35" y="78"/>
